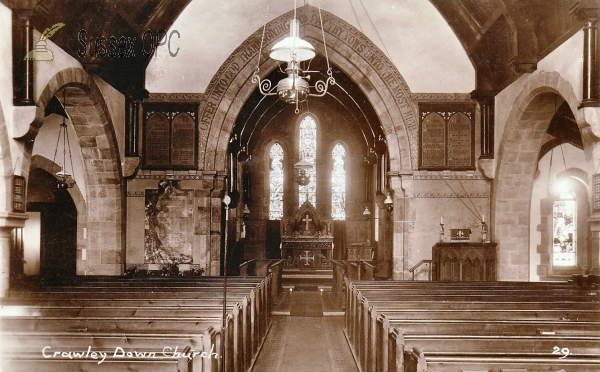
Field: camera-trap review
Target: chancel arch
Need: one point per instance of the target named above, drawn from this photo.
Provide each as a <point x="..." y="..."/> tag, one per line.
<point x="348" y="49"/>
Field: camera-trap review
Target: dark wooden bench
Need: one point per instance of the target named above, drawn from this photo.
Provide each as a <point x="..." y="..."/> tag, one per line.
<point x="33" y="348"/>
<point x="417" y="360"/>
<point x="112" y="314"/>
<point x="377" y="313"/>
<point x="498" y="346"/>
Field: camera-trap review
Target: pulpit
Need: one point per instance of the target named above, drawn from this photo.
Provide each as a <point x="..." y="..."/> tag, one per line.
<point x="307" y="239"/>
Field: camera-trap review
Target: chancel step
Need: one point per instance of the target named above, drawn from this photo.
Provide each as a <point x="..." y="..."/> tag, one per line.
<point x="307" y="279"/>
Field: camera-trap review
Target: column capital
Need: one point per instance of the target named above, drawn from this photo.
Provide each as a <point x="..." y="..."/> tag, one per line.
<point x="586" y="10"/>
<point x="483" y="96"/>
<point x="11" y="220"/>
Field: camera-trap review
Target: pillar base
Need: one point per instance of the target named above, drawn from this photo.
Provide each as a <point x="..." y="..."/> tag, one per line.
<point x="8" y="222"/>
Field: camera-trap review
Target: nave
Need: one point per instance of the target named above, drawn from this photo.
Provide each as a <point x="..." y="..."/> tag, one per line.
<point x="308" y="335"/>
<point x="176" y="324"/>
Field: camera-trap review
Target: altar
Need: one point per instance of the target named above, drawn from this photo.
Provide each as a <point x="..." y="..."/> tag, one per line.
<point x="307" y="239"/>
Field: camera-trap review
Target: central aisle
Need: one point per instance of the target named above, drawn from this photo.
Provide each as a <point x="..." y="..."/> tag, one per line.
<point x="306" y="341"/>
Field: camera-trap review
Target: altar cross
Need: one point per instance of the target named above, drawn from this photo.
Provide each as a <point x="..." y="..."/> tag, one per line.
<point x="307" y="258"/>
<point x="307" y="220"/>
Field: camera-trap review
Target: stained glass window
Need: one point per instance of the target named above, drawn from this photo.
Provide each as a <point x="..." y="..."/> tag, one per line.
<point x="338" y="183"/>
<point x="564" y="227"/>
<point x="276" y="182"/>
<point x="308" y="151"/>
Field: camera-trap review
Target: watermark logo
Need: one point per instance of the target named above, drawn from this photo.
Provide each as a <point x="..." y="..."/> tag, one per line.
<point x="125" y="46"/>
<point x="41" y="52"/>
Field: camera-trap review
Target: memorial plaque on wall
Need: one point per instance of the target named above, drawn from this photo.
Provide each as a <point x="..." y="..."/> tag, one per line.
<point x="447" y="136"/>
<point x="433" y="141"/>
<point x="182" y="150"/>
<point x="157" y="140"/>
<point x="460" y="146"/>
<point x="170" y="136"/>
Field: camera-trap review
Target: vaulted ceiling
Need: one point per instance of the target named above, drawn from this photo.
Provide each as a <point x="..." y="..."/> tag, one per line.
<point x="502" y="38"/>
<point x="135" y="27"/>
<point x="505" y="38"/>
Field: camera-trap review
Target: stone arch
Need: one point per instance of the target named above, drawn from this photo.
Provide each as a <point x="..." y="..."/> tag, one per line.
<point x="40" y="162"/>
<point x="347" y="48"/>
<point x="527" y="123"/>
<point x="103" y="242"/>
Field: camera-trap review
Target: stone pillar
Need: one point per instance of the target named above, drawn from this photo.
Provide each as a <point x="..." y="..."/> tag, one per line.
<point x="594" y="252"/>
<point x="8" y="221"/>
<point x="132" y="125"/>
<point x="487" y="105"/>
<point x="22" y="67"/>
<point x="403" y="220"/>
<point x="590" y="74"/>
<point x="589" y="12"/>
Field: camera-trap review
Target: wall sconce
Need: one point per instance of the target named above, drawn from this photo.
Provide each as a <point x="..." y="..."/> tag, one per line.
<point x="367" y="213"/>
<point x="389" y="203"/>
<point x="379" y="199"/>
<point x="246" y="211"/>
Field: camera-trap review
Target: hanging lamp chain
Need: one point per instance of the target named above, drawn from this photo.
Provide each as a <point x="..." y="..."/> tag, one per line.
<point x="329" y="70"/>
<point x="262" y="40"/>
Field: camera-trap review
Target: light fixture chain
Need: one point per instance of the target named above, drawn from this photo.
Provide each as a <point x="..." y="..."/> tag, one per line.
<point x="64" y="129"/>
<point x="563" y="156"/>
<point x="56" y="150"/>
<point x="262" y="38"/>
<point x="70" y="155"/>
<point x="329" y="71"/>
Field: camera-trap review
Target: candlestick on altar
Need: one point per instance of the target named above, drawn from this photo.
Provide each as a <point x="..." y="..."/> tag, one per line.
<point x="484" y="232"/>
<point x="442" y="230"/>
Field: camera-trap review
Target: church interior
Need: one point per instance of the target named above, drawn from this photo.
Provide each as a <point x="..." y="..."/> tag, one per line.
<point x="190" y="185"/>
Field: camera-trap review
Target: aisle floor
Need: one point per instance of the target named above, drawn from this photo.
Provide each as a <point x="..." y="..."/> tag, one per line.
<point x="306" y="340"/>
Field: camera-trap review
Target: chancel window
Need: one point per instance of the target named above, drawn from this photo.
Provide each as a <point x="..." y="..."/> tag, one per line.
<point x="276" y="182"/>
<point x="564" y="227"/>
<point x="308" y="152"/>
<point x="338" y="183"/>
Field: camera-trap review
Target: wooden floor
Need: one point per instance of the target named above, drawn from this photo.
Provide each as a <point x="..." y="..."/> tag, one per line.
<point x="310" y="338"/>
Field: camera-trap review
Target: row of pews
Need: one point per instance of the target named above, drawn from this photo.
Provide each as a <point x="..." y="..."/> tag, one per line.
<point x="473" y="326"/>
<point x="119" y="324"/>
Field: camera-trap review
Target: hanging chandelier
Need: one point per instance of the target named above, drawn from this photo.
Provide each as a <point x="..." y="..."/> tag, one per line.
<point x="303" y="179"/>
<point x="293" y="50"/>
<point x="64" y="179"/>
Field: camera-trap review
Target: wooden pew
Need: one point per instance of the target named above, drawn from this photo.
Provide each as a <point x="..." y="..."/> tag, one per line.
<point x="493" y="346"/>
<point x="362" y="314"/>
<point x="110" y="310"/>
<point x="357" y="310"/>
<point x="145" y="347"/>
<point x="417" y="360"/>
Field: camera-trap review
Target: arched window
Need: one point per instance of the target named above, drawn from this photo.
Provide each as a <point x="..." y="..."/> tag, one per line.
<point x="308" y="152"/>
<point x="564" y="230"/>
<point x="276" y="182"/>
<point x="338" y="183"/>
